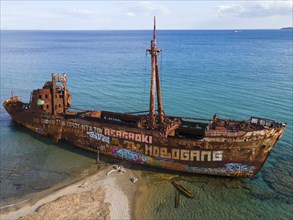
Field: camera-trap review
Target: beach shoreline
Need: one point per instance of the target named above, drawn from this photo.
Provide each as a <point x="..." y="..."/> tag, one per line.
<point x="95" y="196"/>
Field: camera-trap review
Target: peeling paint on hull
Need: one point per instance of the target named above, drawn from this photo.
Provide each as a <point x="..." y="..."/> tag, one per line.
<point x="203" y="146"/>
<point x="210" y="155"/>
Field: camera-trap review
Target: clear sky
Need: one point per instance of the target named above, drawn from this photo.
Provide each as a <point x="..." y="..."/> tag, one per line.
<point x="125" y="15"/>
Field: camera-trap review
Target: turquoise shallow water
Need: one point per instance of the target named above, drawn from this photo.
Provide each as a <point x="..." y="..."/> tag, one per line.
<point x="203" y="72"/>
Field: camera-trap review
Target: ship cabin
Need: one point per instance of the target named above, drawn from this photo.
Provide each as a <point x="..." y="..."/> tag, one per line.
<point x="54" y="98"/>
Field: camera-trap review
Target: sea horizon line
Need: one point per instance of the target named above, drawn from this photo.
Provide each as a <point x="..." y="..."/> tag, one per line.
<point x="228" y="29"/>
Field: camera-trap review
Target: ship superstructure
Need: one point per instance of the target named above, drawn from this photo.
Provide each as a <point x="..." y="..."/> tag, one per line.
<point x="194" y="145"/>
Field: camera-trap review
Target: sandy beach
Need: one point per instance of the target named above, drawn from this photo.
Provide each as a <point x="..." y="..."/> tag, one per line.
<point x="98" y="196"/>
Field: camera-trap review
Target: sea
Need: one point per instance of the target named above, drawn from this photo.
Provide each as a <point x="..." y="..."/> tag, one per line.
<point x="236" y="74"/>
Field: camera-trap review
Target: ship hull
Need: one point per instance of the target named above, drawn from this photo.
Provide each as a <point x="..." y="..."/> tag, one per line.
<point x="234" y="156"/>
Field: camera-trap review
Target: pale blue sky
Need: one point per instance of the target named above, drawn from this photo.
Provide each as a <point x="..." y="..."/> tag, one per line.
<point x="124" y="15"/>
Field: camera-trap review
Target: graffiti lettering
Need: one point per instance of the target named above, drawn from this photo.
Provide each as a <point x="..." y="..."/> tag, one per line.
<point x="69" y="124"/>
<point x="132" y="145"/>
<point x="230" y="169"/>
<point x="98" y="137"/>
<point x="183" y="154"/>
<point x="128" y="135"/>
<point x="129" y="155"/>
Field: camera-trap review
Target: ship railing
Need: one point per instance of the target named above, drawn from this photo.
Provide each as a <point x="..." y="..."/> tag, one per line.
<point x="225" y="133"/>
<point x="79" y="109"/>
<point x="171" y="116"/>
<point x="139" y="112"/>
<point x="189" y="118"/>
<point x="262" y="121"/>
<point x="266" y="123"/>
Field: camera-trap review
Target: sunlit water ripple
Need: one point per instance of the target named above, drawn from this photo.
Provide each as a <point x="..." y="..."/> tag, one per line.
<point x="203" y="72"/>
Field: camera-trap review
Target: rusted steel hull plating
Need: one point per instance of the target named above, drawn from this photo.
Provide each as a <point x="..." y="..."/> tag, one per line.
<point x="203" y="146"/>
<point x="236" y="154"/>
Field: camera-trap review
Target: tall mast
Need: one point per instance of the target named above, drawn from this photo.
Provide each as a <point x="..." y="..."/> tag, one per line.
<point x="158" y="82"/>
<point x="153" y="53"/>
<point x="155" y="78"/>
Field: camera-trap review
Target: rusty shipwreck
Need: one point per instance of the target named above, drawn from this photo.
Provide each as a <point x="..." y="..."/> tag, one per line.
<point x="203" y="146"/>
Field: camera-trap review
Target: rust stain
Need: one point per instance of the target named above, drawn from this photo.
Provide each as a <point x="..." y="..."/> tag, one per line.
<point x="195" y="145"/>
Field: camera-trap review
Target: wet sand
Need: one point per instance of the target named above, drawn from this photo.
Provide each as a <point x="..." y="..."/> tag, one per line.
<point x="98" y="196"/>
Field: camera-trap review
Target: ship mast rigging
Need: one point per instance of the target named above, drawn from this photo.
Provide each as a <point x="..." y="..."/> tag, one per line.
<point x="155" y="82"/>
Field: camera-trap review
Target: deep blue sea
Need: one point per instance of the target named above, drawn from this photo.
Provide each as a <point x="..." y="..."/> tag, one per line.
<point x="236" y="74"/>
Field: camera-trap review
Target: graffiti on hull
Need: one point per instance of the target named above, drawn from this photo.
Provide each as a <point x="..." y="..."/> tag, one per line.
<point x="238" y="169"/>
<point x="129" y="155"/>
<point x="163" y="157"/>
<point x="183" y="154"/>
<point x="229" y="169"/>
<point x="98" y="137"/>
